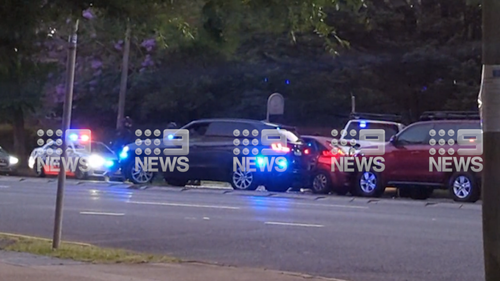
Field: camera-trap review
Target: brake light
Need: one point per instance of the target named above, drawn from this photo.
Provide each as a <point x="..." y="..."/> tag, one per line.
<point x="333" y="153"/>
<point x="280" y="148"/>
<point x="306" y="151"/>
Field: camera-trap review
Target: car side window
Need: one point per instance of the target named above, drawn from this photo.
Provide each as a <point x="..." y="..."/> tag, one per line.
<point x="197" y="130"/>
<point x="226" y="129"/>
<point x="415" y="135"/>
<point x="445" y="131"/>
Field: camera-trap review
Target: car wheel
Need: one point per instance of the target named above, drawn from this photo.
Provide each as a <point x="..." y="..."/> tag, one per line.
<point x="463" y="187"/>
<point x="243" y="180"/>
<point x="369" y="184"/>
<point x="321" y="183"/>
<point x="40" y="172"/>
<point x="80" y="174"/>
<point x="137" y="175"/>
<point x="177" y="182"/>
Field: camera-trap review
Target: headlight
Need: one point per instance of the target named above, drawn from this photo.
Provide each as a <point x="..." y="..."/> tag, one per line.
<point x="13" y="160"/>
<point x="96" y="161"/>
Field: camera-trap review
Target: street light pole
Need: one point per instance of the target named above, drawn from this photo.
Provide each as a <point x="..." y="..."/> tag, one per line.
<point x="68" y="104"/>
<point x="489" y="105"/>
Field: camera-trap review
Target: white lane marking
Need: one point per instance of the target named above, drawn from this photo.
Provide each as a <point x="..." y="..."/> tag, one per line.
<point x="206" y="218"/>
<point x="184" y="205"/>
<point x="102" y="214"/>
<point x="335" y="206"/>
<point x="293" y="224"/>
<point x="4" y="186"/>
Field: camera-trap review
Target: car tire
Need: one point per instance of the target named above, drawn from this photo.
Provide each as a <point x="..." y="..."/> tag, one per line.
<point x="138" y="176"/>
<point x="368" y="184"/>
<point x="243" y="180"/>
<point x="177" y="182"/>
<point x="80" y="174"/>
<point x="464" y="187"/>
<point x="421" y="193"/>
<point x="39" y="173"/>
<point x="321" y="183"/>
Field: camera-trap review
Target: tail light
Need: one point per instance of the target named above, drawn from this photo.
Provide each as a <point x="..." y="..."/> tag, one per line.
<point x="334" y="152"/>
<point x="280" y="148"/>
<point x="307" y="151"/>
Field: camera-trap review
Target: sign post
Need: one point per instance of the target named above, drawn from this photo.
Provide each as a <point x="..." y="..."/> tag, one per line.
<point x="275" y="105"/>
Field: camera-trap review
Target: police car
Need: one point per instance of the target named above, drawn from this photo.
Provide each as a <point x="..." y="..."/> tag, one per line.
<point x="8" y="163"/>
<point x="86" y="158"/>
<point x="350" y="142"/>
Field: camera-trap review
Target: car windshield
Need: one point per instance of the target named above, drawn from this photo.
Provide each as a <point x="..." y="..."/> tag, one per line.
<point x="98" y="147"/>
<point x="389" y="129"/>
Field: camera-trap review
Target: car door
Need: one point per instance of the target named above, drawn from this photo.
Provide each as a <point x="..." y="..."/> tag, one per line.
<point x="221" y="146"/>
<point x="442" y="140"/>
<point x="197" y="164"/>
<point x="407" y="159"/>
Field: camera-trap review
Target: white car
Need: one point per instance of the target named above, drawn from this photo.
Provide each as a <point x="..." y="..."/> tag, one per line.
<point x="390" y="128"/>
<point x="8" y="163"/>
<point x="101" y="161"/>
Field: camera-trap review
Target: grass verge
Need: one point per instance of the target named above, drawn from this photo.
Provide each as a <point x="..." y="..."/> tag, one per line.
<point x="77" y="251"/>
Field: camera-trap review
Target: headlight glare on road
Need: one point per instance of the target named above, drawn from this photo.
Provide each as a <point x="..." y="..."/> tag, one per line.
<point x="96" y="161"/>
<point x="13" y="160"/>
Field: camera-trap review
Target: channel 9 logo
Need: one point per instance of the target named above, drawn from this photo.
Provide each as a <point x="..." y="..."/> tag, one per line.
<point x="374" y="142"/>
<point x="462" y="154"/>
<point x="266" y="149"/>
<point x="150" y="153"/>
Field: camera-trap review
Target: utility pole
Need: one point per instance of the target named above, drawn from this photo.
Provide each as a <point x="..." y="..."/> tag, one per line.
<point x="353" y="103"/>
<point x="68" y="104"/>
<point x="489" y="105"/>
<point x="124" y="78"/>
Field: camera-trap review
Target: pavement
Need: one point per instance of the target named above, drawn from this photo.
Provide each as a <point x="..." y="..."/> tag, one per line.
<point x="21" y="266"/>
<point x="346" y="238"/>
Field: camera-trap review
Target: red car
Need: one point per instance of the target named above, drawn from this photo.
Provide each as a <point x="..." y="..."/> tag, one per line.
<point x="425" y="156"/>
<point x="322" y="179"/>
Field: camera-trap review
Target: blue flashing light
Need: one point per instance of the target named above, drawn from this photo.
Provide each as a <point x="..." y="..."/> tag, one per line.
<point x="283" y="163"/>
<point x="260" y="161"/>
<point x="170" y="137"/>
<point x="362" y="124"/>
<point x="109" y="163"/>
<point x="123" y="155"/>
<point x="287" y="82"/>
<point x="73" y="137"/>
<point x="265" y="79"/>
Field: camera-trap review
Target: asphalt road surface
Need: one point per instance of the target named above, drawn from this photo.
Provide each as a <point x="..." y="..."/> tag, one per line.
<point x="339" y="237"/>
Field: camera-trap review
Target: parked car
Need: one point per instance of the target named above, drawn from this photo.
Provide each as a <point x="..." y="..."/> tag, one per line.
<point x="212" y="157"/>
<point x="8" y="163"/>
<point x="414" y="164"/>
<point x="101" y="160"/>
<point x="390" y="123"/>
<point x="322" y="179"/>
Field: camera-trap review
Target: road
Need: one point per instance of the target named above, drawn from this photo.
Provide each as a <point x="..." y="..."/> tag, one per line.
<point x="339" y="237"/>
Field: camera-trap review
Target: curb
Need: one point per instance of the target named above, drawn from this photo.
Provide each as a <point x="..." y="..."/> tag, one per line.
<point x="44" y="239"/>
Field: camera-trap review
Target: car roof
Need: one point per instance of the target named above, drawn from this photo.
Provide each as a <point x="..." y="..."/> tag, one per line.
<point x="239" y="120"/>
<point x="453" y="121"/>
<point x="376" y="121"/>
